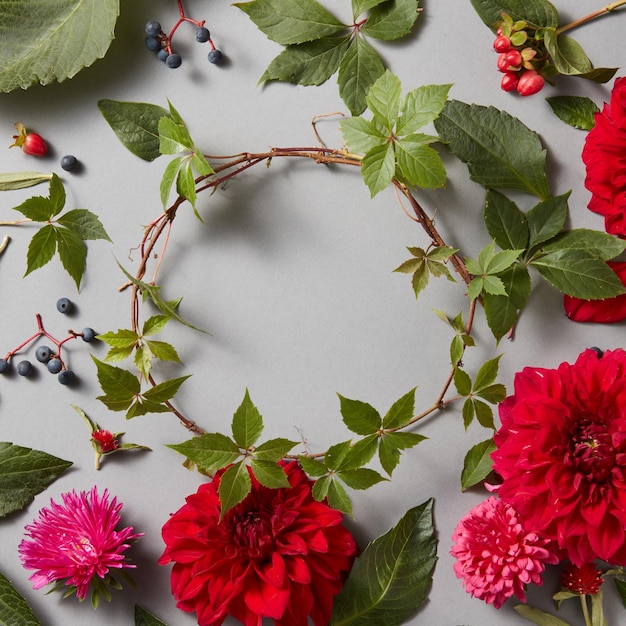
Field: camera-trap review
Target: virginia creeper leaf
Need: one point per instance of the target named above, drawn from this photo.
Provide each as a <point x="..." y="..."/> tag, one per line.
<point x="360" y="6"/>
<point x="269" y="474"/>
<point x="338" y="497"/>
<point x="210" y="452"/>
<point x="391" y="20"/>
<point x="360" y="417"/>
<point x="164" y="391"/>
<point x="477" y="464"/>
<point x="235" y="485"/>
<point x="83" y="223"/>
<point x="421" y="106"/>
<point x="13" y="608"/>
<point x="378" y="168"/>
<point x="419" y="164"/>
<point x="383" y="99"/>
<point x="247" y="423"/>
<point x="73" y="253"/>
<point x="401" y="411"/>
<point x="116" y="382"/>
<point x="390" y="580"/>
<point x="273" y="449"/>
<point x="361" y="135"/>
<point x="41" y="248"/>
<point x="23" y="474"/>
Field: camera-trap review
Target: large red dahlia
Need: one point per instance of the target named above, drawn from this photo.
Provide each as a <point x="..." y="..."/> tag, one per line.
<point x="561" y="452"/>
<point x="278" y="554"/>
<point x="604" y="155"/>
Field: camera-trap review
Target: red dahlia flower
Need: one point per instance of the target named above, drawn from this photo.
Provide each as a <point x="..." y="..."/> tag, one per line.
<point x="561" y="452"/>
<point x="496" y="556"/>
<point x="278" y="554"/>
<point x="604" y="155"/>
<point x="605" y="311"/>
<point x="76" y="543"/>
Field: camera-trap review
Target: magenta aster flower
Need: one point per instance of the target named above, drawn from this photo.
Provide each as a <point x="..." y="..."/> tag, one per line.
<point x="76" y="544"/>
<point x="496" y="556"/>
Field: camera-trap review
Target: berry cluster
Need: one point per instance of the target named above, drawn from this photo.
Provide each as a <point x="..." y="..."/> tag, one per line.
<point x="44" y="354"/>
<point x="161" y="43"/>
<point x="518" y="58"/>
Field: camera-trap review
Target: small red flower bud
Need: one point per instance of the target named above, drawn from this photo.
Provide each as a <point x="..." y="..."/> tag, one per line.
<point x="530" y="82"/>
<point x="514" y="58"/>
<point x="509" y="81"/>
<point x="584" y="580"/>
<point x="502" y="44"/>
<point x="106" y="439"/>
<point x="31" y="143"/>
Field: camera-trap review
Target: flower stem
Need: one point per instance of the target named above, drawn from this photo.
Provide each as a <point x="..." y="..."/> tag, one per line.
<point x="592" y="16"/>
<point x="583" y="603"/>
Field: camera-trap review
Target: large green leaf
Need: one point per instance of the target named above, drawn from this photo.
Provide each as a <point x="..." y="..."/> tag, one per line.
<point x="50" y="41"/>
<point x="13" y="608"/>
<point x="23" y="474"/>
<point x="536" y="12"/>
<point x="136" y="125"/>
<point x="145" y="618"/>
<point x="499" y="150"/>
<point x="391" y="578"/>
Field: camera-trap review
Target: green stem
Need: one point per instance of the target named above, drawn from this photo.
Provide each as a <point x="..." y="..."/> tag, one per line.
<point x="592" y="16"/>
<point x="583" y="603"/>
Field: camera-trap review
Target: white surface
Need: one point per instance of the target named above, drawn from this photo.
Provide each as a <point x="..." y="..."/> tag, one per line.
<point x="291" y="272"/>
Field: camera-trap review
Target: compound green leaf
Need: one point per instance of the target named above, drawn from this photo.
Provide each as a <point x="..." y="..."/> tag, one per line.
<point x="310" y="63"/>
<point x="475" y="134"/>
<point x="539" y="13"/>
<point x="145" y="618"/>
<point x="21" y="180"/>
<point x="477" y="464"/>
<point x="505" y="222"/>
<point x="41" y="248"/>
<point x="13" y="608"/>
<point x="391" y="20"/>
<point x="235" y="485"/>
<point x="43" y="42"/>
<point x="577" y="111"/>
<point x="210" y="452"/>
<point x="23" y="474"/>
<point x="390" y="580"/>
<point x="291" y="21"/>
<point x="136" y="125"/>
<point x="358" y="70"/>
<point x="247" y="423"/>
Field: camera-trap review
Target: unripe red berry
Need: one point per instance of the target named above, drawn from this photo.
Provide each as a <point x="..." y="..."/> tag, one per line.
<point x="31" y="143"/>
<point x="514" y="58"/>
<point x="509" y="81"/>
<point x="503" y="64"/>
<point x="502" y="44"/>
<point x="530" y="82"/>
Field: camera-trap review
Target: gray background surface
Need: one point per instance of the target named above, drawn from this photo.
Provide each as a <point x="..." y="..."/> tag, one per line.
<point x="291" y="272"/>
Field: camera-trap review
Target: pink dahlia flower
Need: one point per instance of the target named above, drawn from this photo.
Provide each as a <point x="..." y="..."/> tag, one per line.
<point x="496" y="556"/>
<point x="278" y="554"/>
<point x="76" y="543"/>
<point x="561" y="452"/>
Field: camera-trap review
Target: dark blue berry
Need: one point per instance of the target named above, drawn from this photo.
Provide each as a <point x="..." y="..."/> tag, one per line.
<point x="152" y="43"/>
<point x="173" y="60"/>
<point x="24" y="368"/>
<point x="64" y="305"/>
<point x="215" y="56"/>
<point x="4" y="366"/>
<point x="69" y="162"/>
<point x="89" y="334"/>
<point x="153" y="28"/>
<point x="162" y="54"/>
<point x="66" y="377"/>
<point x="43" y="354"/>
<point x="597" y="351"/>
<point x="55" y="366"/>
<point x="202" y="34"/>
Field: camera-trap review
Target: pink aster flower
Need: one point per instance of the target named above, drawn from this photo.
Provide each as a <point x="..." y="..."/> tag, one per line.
<point x="76" y="543"/>
<point x="496" y="556"/>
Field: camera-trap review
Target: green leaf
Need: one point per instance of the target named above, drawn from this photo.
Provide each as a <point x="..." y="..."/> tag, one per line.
<point x="401" y="411"/>
<point x="492" y="393"/>
<point x="420" y="107"/>
<point x="383" y="99"/>
<point x="547" y="218"/>
<point x="361" y="135"/>
<point x="170" y="175"/>
<point x="210" y="452"/>
<point x="338" y="497"/>
<point x="57" y="194"/>
<point x="311" y="466"/>
<point x="598" y="244"/>
<point x="269" y="474"/>
<point x="162" y="350"/>
<point x="360" y="6"/>
<point x="14" y="611"/>
<point x="235" y="485"/>
<point x="484" y="414"/>
<point x="23" y="474"/>
<point x="73" y="253"/>
<point x="360" y="417"/>
<point x="274" y="449"/>
<point x="154" y="324"/>
<point x="360" y="478"/>
<point x="43" y="42"/>
<point x="145" y="618"/>
<point x="378" y="168"/>
<point x="474" y="134"/>
<point x="390" y="446"/>
<point x="567" y="54"/>
<point x="21" y="180"/>
<point x="164" y="391"/>
<point x="291" y="21"/>
<point x="358" y="70"/>
<point x="41" y="248"/>
<point x="136" y="125"/>
<point x="336" y="454"/>
<point x="123" y="338"/>
<point x="505" y="222"/>
<point x="37" y="208"/>
<point x="579" y="274"/>
<point x="391" y="20"/>
<point x="536" y="616"/>
<point x="173" y="137"/>
<point x="84" y="224"/>
<point x="620" y="585"/>
<point x="577" y="111"/>
<point x="486" y="374"/>
<point x="186" y="184"/>
<point x="493" y="285"/>
<point x="462" y="382"/>
<point x="477" y="464"/>
<point x="359" y="454"/>
<point x="247" y="423"/>
<point x="539" y="13"/>
<point x="419" y="164"/>
<point x="310" y="63"/>
<point x="390" y="580"/>
<point x="117" y="383"/>
<point x="320" y="488"/>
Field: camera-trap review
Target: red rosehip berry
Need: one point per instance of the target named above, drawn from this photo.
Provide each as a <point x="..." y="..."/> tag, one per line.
<point x="503" y="64"/>
<point x="502" y="44"/>
<point x="530" y="82"/>
<point x="514" y="58"/>
<point x="31" y="143"/>
<point x="509" y="81"/>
